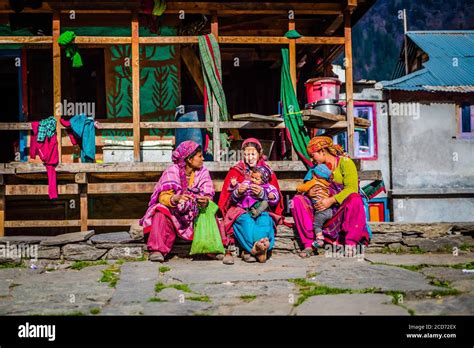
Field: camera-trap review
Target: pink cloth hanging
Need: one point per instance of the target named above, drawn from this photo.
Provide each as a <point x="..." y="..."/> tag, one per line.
<point x="48" y="153"/>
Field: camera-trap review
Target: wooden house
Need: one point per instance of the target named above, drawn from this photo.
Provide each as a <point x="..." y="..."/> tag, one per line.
<point x="137" y="69"/>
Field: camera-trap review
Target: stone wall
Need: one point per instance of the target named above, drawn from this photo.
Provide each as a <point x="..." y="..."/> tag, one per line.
<point x="130" y="245"/>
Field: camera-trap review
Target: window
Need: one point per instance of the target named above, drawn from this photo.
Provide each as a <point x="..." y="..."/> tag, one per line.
<point x="466" y="121"/>
<point x="365" y="140"/>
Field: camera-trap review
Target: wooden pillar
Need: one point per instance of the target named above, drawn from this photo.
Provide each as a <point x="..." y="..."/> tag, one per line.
<point x="349" y="82"/>
<point x="2" y="207"/>
<point x="136" y="88"/>
<point x="81" y="180"/>
<point x="292" y="57"/>
<point x="57" y="78"/>
<point x="215" y="107"/>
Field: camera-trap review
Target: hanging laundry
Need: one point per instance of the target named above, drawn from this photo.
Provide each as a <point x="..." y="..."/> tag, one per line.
<point x="66" y="39"/>
<point x="213" y="90"/>
<point x="47" y="149"/>
<point x="159" y="8"/>
<point x="292" y="34"/>
<point x="83" y="133"/>
<point x="47" y="128"/>
<point x="291" y="112"/>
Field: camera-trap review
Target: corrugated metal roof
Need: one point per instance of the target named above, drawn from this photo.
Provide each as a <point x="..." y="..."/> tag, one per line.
<point x="450" y="66"/>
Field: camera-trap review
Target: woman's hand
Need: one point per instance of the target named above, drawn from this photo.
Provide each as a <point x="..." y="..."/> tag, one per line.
<point x="315" y="191"/>
<point x="203" y="201"/>
<point x="325" y="203"/>
<point x="271" y="196"/>
<point x="242" y="188"/>
<point x="256" y="190"/>
<point x="177" y="198"/>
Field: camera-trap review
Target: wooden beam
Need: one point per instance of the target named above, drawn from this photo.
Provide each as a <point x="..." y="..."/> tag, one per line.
<point x="39" y="190"/>
<point x="168" y="40"/>
<point x="15" y="126"/>
<point x="334" y="25"/>
<point x="103" y="40"/>
<point x="80" y="178"/>
<point x="84" y="207"/>
<point x="349" y="82"/>
<point x="26" y="40"/>
<point x="57" y="78"/>
<point x="121" y="188"/>
<point x="174" y="125"/>
<point x="2" y="210"/>
<point x="320" y="40"/>
<point x="277" y="40"/>
<point x="163" y="125"/>
<point x="351" y="5"/>
<point x="111" y="222"/>
<point x="292" y="58"/>
<point x="102" y="125"/>
<point x="136" y="88"/>
<point x="193" y="64"/>
<point x="148" y="187"/>
<point x="236" y="8"/>
<point x="25" y="168"/>
<point x="292" y="55"/>
<point x="42" y="223"/>
<point x="216" y="139"/>
<point x="175" y="40"/>
<point x="251" y="125"/>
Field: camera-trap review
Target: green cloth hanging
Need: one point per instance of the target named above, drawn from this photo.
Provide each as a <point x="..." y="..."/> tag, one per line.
<point x="66" y="39"/>
<point x="212" y="73"/>
<point x="292" y="34"/>
<point x="159" y="8"/>
<point x="291" y="112"/>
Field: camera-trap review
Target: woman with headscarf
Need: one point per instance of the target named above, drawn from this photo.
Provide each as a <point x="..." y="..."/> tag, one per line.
<point x="256" y="236"/>
<point x="174" y="205"/>
<point x="348" y="226"/>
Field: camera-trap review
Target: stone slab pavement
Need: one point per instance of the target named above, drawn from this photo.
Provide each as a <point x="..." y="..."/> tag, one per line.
<point x="285" y="285"/>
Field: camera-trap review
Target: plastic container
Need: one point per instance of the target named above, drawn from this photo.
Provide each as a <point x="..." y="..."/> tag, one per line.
<point x="322" y="88"/>
<point x="190" y="113"/>
<point x="151" y="151"/>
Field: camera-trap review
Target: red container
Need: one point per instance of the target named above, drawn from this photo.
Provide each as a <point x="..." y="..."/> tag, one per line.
<point x="322" y="88"/>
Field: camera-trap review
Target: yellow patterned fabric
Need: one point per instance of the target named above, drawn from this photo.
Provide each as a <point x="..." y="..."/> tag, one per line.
<point x="317" y="183"/>
<point x="165" y="196"/>
<point x="323" y="142"/>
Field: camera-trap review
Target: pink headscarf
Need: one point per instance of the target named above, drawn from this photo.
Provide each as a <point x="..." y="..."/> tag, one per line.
<point x="179" y="155"/>
<point x="252" y="140"/>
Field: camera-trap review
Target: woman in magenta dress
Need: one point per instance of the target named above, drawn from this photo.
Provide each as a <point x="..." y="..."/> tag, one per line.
<point x="348" y="226"/>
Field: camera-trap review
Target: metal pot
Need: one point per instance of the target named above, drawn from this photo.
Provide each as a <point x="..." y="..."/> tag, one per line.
<point x="328" y="105"/>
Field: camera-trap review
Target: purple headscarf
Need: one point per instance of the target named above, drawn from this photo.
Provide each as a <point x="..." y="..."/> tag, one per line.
<point x="179" y="155"/>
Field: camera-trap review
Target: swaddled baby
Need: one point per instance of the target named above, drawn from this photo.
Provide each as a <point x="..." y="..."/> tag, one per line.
<point x="254" y="205"/>
<point x="318" y="178"/>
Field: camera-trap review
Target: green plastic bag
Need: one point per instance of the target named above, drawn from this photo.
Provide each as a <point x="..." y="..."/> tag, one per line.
<point x="207" y="238"/>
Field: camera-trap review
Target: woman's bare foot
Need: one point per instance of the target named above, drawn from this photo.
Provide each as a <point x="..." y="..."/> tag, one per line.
<point x="306" y="252"/>
<point x="258" y="247"/>
<point x="266" y="243"/>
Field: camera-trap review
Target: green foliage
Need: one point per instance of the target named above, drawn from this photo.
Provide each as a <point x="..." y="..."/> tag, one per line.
<point x="156" y="299"/>
<point x="111" y="275"/>
<point x="201" y="298"/>
<point x="78" y="265"/>
<point x="164" y="269"/>
<point x="12" y="265"/>
<point x="248" y="298"/>
<point x="182" y="287"/>
<point x="95" y="310"/>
